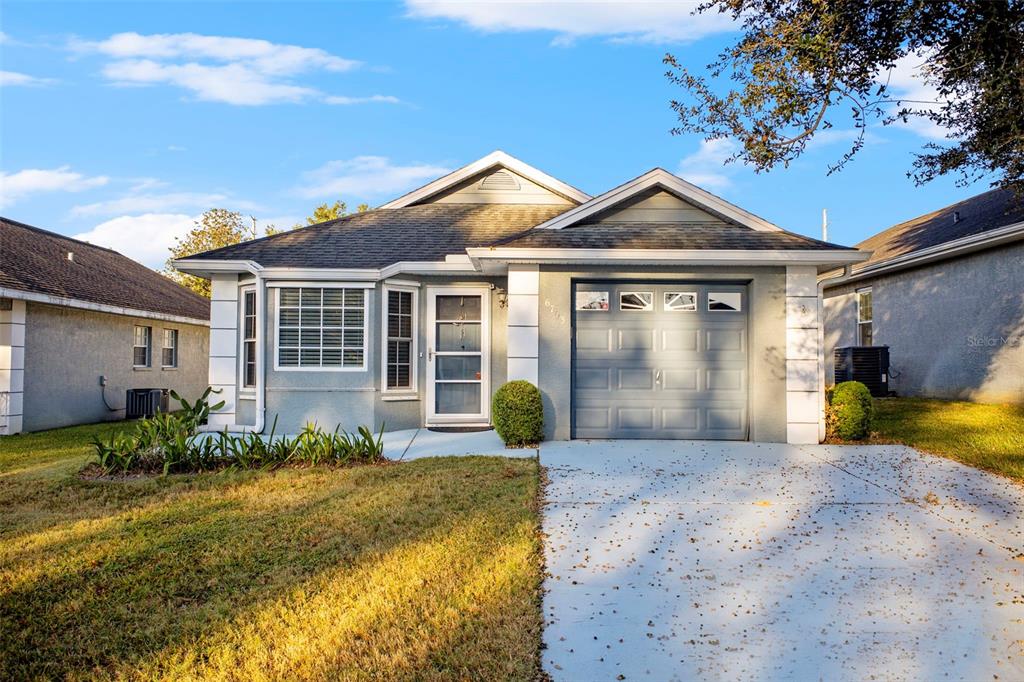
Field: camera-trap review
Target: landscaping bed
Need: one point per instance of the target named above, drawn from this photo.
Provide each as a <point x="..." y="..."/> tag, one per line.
<point x="428" y="569"/>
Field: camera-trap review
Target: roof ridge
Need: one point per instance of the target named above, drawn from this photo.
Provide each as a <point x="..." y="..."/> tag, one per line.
<point x="57" y="235"/>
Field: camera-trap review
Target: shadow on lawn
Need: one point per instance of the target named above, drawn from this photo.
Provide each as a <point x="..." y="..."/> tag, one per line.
<point x="151" y="572"/>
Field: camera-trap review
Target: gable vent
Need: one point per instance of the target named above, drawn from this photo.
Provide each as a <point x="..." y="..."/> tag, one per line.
<point x="500" y="180"/>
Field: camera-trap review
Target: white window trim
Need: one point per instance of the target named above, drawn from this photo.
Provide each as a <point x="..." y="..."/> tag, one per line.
<point x="719" y="292"/>
<point x="414" y="358"/>
<point x="322" y="285"/>
<point x="648" y="309"/>
<point x="860" y="323"/>
<point x="664" y="302"/>
<point x="243" y="390"/>
<point x="163" y="347"/>
<point x="149" y="347"/>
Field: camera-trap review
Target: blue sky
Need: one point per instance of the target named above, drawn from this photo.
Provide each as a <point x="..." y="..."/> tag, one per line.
<point x="122" y="122"/>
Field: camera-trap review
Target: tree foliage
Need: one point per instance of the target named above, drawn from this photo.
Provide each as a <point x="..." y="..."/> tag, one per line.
<point x="325" y="212"/>
<point x="216" y="228"/>
<point x="801" y="66"/>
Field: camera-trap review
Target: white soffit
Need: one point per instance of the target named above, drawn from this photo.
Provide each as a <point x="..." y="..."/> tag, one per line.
<point x="659" y="177"/>
<point x="494" y="159"/>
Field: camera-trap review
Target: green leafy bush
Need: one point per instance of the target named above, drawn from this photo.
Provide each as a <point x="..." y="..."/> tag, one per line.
<point x="518" y="414"/>
<point x="850" y="411"/>
<point x="171" y="443"/>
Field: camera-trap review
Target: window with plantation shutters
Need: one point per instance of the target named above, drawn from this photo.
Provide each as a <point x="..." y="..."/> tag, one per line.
<point x="399" y="371"/>
<point x="321" y="328"/>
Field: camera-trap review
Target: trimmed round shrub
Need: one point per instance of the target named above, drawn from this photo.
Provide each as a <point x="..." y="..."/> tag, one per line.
<point x="518" y="414"/>
<point x="850" y="411"/>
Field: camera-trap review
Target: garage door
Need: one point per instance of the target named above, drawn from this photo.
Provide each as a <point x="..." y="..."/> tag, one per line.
<point x="660" y="360"/>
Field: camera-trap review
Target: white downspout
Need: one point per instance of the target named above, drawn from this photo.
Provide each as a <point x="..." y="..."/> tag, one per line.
<point x="847" y="269"/>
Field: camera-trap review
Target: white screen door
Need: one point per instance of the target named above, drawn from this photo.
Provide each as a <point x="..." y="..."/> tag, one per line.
<point x="458" y="355"/>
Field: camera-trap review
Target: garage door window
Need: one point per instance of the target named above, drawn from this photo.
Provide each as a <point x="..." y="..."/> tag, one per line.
<point x="636" y="300"/>
<point x="684" y="301"/>
<point x="724" y="301"/>
<point x="591" y="300"/>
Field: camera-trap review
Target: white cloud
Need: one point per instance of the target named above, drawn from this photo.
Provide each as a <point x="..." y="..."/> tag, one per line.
<point x="239" y="71"/>
<point x="340" y="99"/>
<point x="365" y="176"/>
<point x="145" y="238"/>
<point x="16" y="186"/>
<point x="706" y="167"/>
<point x="12" y="78"/>
<point x="908" y="82"/>
<point x="155" y="203"/>
<point x="655" y="22"/>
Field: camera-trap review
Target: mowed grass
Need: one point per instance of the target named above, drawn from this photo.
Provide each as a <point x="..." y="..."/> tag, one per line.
<point x="988" y="437"/>
<point x="426" y="570"/>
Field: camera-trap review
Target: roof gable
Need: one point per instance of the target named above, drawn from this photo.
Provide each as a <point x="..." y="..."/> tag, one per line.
<point x="474" y="174"/>
<point x="657" y="205"/>
<point x="660" y="178"/>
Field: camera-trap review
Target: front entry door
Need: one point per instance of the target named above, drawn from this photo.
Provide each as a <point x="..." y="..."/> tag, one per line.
<point x="458" y="356"/>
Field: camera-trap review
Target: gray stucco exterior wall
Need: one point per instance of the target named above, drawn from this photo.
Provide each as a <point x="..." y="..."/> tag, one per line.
<point x="767" y="342"/>
<point x="351" y="399"/>
<point x="66" y="351"/>
<point x="955" y="328"/>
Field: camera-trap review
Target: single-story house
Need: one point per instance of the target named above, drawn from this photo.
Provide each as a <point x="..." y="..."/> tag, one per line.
<point x="81" y="324"/>
<point x="945" y="292"/>
<point x="654" y="310"/>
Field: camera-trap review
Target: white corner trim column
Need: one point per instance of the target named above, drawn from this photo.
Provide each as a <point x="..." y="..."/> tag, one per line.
<point x="803" y="388"/>
<point x="523" y="321"/>
<point x="12" y="366"/>
<point x="224" y="348"/>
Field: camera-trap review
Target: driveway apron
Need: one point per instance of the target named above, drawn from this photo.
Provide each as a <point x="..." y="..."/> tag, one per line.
<point x="680" y="560"/>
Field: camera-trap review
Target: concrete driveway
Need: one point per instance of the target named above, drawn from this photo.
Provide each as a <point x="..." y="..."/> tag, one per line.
<point x="700" y="560"/>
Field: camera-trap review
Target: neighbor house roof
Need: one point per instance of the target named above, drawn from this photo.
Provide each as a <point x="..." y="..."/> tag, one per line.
<point x="983" y="213"/>
<point x="35" y="261"/>
<point x="374" y="239"/>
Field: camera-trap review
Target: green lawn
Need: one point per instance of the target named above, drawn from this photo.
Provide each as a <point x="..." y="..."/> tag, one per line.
<point x="989" y="437"/>
<point x="426" y="570"/>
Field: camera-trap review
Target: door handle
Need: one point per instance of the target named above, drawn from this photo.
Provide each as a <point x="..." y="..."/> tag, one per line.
<point x="657" y="377"/>
<point x="430" y="354"/>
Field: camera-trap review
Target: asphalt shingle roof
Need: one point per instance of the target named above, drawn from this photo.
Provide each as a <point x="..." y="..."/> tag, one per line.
<point x="379" y="238"/>
<point x="35" y="260"/>
<point x="988" y="211"/>
<point x="664" y="236"/>
<point x="430" y="232"/>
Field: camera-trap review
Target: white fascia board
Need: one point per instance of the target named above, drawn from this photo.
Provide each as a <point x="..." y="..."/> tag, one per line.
<point x="496" y="158"/>
<point x="931" y="254"/>
<point x="669" y="256"/>
<point x="79" y="304"/>
<point x="203" y="268"/>
<point x="659" y="177"/>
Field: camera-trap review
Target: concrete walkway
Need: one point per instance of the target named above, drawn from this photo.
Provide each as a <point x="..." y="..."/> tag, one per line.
<point x="700" y="560"/>
<point x="417" y="443"/>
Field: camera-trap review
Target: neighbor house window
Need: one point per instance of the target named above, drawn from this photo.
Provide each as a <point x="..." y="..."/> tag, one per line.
<point x="322" y="328"/>
<point x="400" y="343"/>
<point x="169" y="356"/>
<point x="142" y="346"/>
<point x="249" y="338"/>
<point x="865" y="333"/>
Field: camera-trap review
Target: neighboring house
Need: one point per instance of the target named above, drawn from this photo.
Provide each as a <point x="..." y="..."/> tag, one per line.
<point x="945" y="293"/>
<point x="655" y="310"/>
<point x="71" y="313"/>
